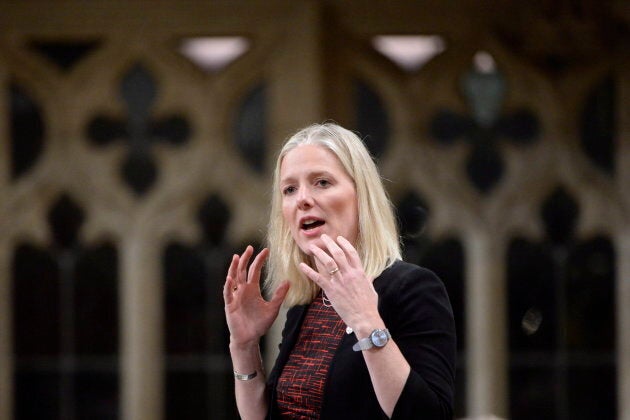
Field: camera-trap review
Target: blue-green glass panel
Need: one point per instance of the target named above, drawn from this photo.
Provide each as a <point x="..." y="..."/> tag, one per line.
<point x="484" y="92"/>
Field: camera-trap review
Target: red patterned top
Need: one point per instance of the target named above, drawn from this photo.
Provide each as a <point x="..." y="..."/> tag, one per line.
<point x="301" y="384"/>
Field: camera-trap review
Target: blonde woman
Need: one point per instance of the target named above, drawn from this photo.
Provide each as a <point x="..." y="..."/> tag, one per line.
<point x="367" y="335"/>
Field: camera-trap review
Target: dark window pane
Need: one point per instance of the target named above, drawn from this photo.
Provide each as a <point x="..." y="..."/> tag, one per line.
<point x="484" y="166"/>
<point x="559" y="213"/>
<point x="222" y="404"/>
<point x="36" y="305"/>
<point x="532" y="393"/>
<point x="139" y="90"/>
<point x="197" y="396"/>
<point x="173" y="129"/>
<point x="591" y="296"/>
<point x="102" y="130"/>
<point x="592" y="393"/>
<point x="96" y="300"/>
<point x="372" y="118"/>
<point x="446" y="259"/>
<point x="96" y="396"/>
<point x="185" y="300"/>
<point x="65" y="218"/>
<point x="139" y="172"/>
<point x="217" y="261"/>
<point x="65" y="54"/>
<point x="250" y="128"/>
<point x="214" y="216"/>
<point x="37" y="395"/>
<point x="531" y="298"/>
<point x="447" y="126"/>
<point x="187" y="396"/>
<point x="460" y="390"/>
<point x="522" y="126"/>
<point x="598" y="125"/>
<point x="27" y="131"/>
<point x="412" y="213"/>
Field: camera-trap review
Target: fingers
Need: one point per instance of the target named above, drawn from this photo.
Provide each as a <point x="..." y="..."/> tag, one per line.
<point x="350" y="252"/>
<point x="280" y="294"/>
<point x="228" y="292"/>
<point x="326" y="261"/>
<point x="238" y="273"/>
<point x="339" y="256"/>
<point x="253" y="274"/>
<point x="241" y="277"/>
<point x="230" y="283"/>
<point x="233" y="266"/>
<point x="312" y="274"/>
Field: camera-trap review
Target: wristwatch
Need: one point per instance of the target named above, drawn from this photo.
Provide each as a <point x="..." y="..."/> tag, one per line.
<point x="378" y="338"/>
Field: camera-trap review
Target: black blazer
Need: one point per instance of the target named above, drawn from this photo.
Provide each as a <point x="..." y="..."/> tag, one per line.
<point x="415" y="308"/>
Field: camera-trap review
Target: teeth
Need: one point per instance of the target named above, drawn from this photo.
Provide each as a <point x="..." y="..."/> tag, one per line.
<point x="310" y="223"/>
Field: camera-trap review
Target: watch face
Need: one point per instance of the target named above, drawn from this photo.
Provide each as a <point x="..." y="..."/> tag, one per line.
<point x="379" y="338"/>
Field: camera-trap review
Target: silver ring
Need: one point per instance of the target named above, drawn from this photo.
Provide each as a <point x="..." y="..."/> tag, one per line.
<point x="333" y="271"/>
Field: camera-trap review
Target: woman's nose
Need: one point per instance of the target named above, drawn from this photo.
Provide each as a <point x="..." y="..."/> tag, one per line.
<point x="305" y="199"/>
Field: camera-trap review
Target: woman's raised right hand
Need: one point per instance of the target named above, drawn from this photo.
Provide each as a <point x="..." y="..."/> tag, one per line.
<point x="249" y="316"/>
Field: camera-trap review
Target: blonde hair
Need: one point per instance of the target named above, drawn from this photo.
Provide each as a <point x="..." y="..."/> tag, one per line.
<point x="378" y="242"/>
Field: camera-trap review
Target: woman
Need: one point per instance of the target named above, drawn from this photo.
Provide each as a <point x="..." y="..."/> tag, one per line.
<point x="367" y="335"/>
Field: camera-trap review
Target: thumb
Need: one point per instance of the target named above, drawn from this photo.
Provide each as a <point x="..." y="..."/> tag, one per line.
<point x="280" y="294"/>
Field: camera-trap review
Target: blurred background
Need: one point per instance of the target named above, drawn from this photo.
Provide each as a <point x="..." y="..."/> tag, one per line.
<point x="136" y="144"/>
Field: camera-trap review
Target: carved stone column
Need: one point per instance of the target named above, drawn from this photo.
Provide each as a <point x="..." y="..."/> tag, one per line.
<point x="486" y="325"/>
<point x="6" y="336"/>
<point x="622" y="245"/>
<point x="141" y="314"/>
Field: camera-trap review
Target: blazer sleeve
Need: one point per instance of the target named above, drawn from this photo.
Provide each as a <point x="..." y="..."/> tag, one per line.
<point x="424" y="329"/>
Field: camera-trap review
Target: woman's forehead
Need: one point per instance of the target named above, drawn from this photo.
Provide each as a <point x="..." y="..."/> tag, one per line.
<point x="309" y="158"/>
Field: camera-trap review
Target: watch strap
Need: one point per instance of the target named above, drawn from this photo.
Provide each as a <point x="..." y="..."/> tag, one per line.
<point x="367" y="342"/>
<point x="363" y="344"/>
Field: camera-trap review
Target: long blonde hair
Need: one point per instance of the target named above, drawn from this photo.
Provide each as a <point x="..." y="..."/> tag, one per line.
<point x="378" y="243"/>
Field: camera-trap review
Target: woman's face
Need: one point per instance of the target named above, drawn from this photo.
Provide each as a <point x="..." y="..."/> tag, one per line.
<point x="318" y="197"/>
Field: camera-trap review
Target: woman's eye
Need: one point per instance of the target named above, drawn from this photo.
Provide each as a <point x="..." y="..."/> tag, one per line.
<point x="288" y="190"/>
<point x="323" y="182"/>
